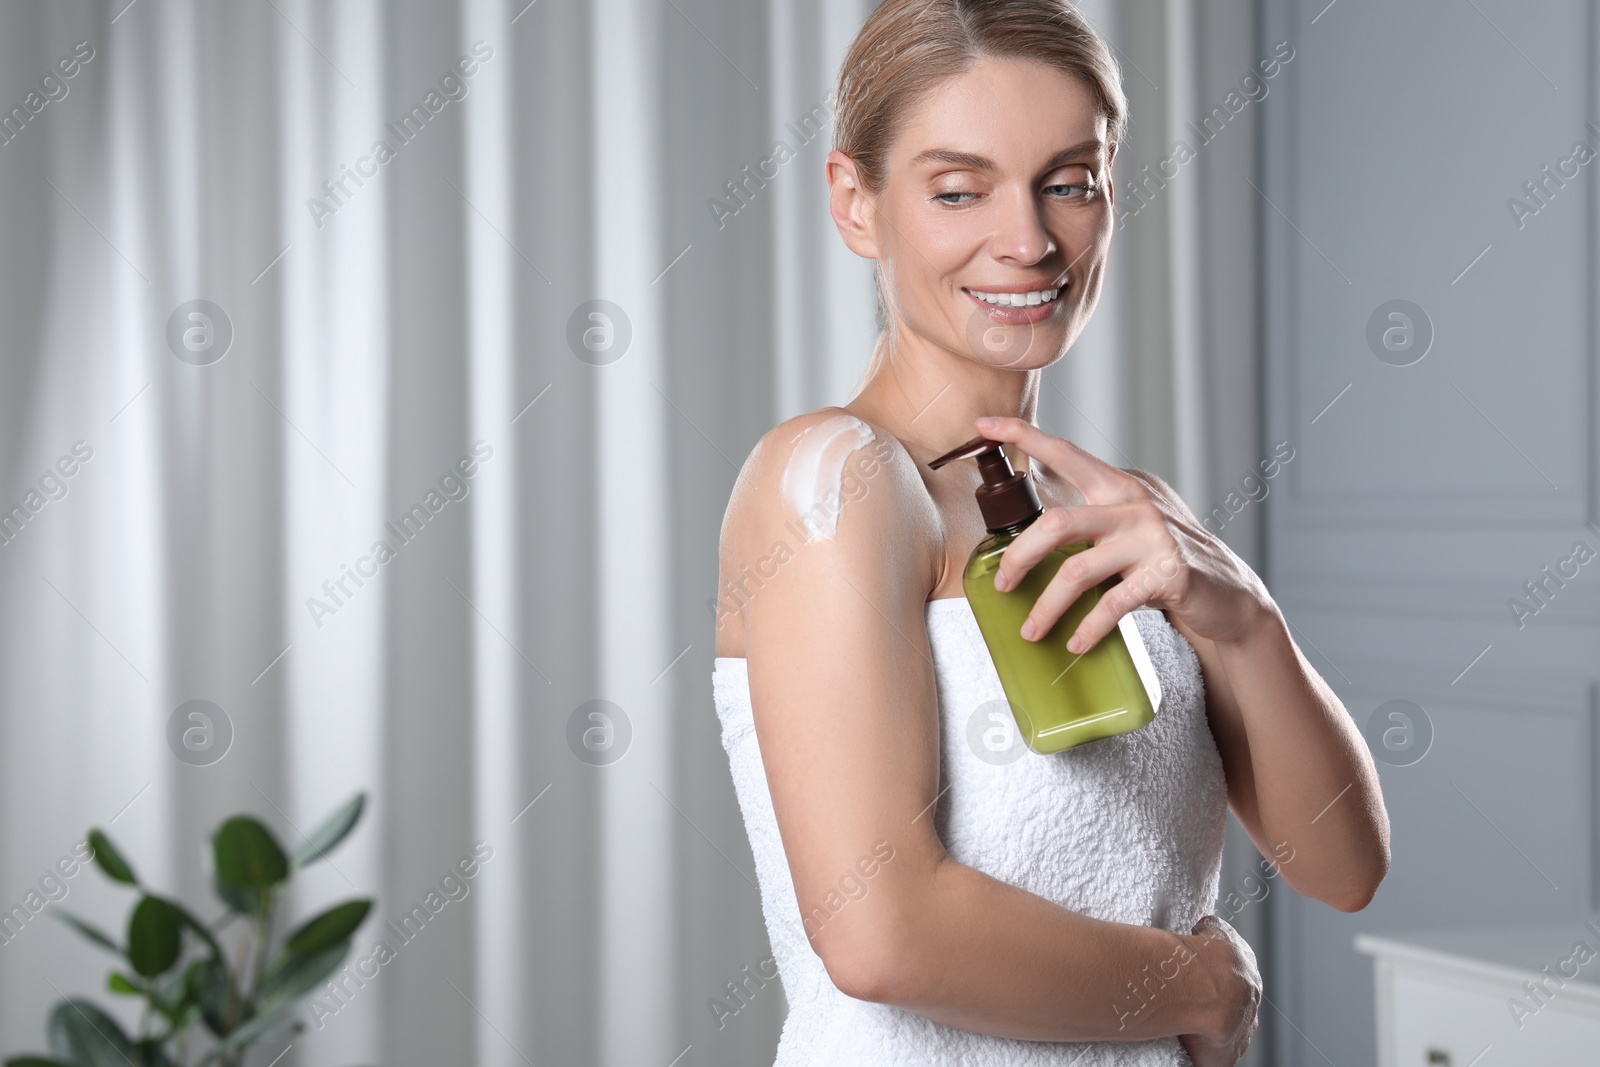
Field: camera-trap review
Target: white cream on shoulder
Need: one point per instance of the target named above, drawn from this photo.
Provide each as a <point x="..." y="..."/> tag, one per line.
<point x="814" y="475"/>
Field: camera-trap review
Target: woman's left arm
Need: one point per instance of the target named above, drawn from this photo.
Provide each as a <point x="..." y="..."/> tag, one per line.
<point x="1299" y="774"/>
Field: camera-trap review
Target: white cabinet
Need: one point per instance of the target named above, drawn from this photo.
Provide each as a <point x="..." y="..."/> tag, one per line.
<point x="1523" y="997"/>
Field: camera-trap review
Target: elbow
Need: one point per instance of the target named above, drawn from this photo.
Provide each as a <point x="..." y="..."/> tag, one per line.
<point x="862" y="977"/>
<point x="1353" y="902"/>
<point x="1365" y="867"/>
<point x="866" y="967"/>
<point x="1364" y="888"/>
<point x="881" y="947"/>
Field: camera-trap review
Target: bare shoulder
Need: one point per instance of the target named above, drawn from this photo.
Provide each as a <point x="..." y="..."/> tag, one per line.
<point x="806" y="471"/>
<point x="834" y="484"/>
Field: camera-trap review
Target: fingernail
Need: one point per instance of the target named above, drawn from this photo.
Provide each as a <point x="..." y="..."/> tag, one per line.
<point x="1029" y="630"/>
<point x="1001" y="581"/>
<point x="986" y="422"/>
<point x="1075" y="644"/>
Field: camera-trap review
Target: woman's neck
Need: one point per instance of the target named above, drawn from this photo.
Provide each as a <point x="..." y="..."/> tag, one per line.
<point x="929" y="397"/>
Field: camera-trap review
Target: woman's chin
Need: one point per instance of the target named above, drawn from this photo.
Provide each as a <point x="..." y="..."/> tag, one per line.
<point x="1025" y="353"/>
<point x="1017" y="346"/>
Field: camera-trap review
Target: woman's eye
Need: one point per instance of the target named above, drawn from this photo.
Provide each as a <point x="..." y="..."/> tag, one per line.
<point x="1080" y="192"/>
<point x="1059" y="191"/>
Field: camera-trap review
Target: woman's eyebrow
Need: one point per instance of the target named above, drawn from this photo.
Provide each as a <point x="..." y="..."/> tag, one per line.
<point x="973" y="161"/>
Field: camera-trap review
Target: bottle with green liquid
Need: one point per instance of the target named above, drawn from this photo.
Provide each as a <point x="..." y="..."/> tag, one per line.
<point x="1060" y="699"/>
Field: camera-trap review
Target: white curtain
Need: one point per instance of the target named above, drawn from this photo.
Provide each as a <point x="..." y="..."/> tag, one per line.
<point x="380" y="322"/>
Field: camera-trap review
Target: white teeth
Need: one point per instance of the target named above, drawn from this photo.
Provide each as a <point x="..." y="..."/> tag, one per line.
<point x="1017" y="300"/>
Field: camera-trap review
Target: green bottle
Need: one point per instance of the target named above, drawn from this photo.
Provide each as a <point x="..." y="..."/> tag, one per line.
<point x="1060" y="699"/>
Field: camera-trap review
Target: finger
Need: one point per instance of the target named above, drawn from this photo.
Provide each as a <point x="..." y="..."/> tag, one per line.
<point x="1053" y="528"/>
<point x="1117" y="602"/>
<point x="1097" y="480"/>
<point x="1081" y="572"/>
<point x="1156" y="579"/>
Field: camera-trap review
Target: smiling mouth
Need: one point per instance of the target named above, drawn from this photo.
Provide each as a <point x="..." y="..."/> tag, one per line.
<point x="1017" y="300"/>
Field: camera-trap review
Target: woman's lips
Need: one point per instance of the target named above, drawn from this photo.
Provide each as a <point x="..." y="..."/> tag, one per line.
<point x="1019" y="316"/>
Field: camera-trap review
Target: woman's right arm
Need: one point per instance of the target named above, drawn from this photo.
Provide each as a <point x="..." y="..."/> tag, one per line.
<point x="846" y="715"/>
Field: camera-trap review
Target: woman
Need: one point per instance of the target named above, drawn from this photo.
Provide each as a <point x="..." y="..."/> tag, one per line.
<point x="927" y="904"/>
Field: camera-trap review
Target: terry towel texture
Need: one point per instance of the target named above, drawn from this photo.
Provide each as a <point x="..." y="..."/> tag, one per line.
<point x="1127" y="829"/>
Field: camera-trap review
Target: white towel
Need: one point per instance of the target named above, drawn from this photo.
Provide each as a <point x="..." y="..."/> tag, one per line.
<point x="1127" y="829"/>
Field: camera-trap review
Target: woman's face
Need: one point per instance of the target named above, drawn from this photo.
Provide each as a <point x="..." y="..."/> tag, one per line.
<point x="998" y="186"/>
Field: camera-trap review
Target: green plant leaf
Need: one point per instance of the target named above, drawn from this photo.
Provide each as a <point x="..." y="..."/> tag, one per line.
<point x="335" y="924"/>
<point x="325" y="838"/>
<point x="198" y="927"/>
<point x="150" y="1054"/>
<point x="211" y="990"/>
<point x="86" y="930"/>
<point x="82" y="1034"/>
<point x="175" y="996"/>
<point x="109" y="859"/>
<point x="267" y="1024"/>
<point x="248" y="856"/>
<point x="297" y="974"/>
<point x="35" y="1061"/>
<point x="118" y="982"/>
<point x="155" y="936"/>
<point x="239" y="899"/>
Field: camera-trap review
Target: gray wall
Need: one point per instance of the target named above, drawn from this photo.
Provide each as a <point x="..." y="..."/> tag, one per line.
<point x="1424" y="496"/>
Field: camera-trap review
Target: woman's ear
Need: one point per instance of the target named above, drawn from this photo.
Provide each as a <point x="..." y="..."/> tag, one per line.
<point x="850" y="206"/>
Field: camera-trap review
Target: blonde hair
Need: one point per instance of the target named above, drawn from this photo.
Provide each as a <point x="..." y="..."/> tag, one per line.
<point x="906" y="47"/>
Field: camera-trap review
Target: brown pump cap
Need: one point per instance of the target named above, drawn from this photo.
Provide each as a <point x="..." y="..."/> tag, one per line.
<point x="1006" y="496"/>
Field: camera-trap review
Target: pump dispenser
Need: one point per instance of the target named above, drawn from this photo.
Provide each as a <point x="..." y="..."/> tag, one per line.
<point x="1060" y="699"/>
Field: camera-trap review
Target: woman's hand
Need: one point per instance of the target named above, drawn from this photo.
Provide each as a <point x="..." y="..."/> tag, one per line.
<point x="1141" y="531"/>
<point x="1231" y="963"/>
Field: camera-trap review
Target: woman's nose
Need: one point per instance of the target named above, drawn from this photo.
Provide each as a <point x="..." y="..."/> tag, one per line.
<point x="1019" y="233"/>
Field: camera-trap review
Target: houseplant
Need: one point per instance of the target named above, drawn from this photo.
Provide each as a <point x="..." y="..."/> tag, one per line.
<point x="193" y="994"/>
